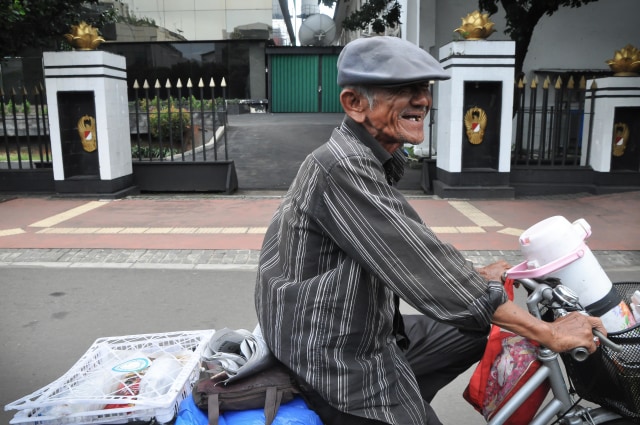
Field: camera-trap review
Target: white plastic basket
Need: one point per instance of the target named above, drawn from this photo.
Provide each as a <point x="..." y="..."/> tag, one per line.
<point x="102" y="377"/>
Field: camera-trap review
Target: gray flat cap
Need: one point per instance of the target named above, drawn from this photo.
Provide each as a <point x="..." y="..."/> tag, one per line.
<point x="386" y="61"/>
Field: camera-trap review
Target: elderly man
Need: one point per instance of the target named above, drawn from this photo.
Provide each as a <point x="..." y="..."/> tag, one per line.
<point x="344" y="246"/>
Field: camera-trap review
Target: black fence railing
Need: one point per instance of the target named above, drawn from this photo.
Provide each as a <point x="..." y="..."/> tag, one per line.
<point x="24" y="130"/>
<point x="182" y="128"/>
<point x="162" y="127"/>
<point x="549" y="124"/>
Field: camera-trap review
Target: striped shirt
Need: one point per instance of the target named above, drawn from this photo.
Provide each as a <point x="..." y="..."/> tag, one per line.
<point x="341" y="247"/>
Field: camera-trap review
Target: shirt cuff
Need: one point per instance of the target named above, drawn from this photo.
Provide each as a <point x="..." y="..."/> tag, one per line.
<point x="484" y="308"/>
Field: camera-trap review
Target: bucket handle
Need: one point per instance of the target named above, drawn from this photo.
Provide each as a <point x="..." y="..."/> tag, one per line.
<point x="521" y="271"/>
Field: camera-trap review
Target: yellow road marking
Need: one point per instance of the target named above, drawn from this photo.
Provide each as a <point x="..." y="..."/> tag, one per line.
<point x="511" y="231"/>
<point x="221" y="230"/>
<point x="463" y="229"/>
<point x="73" y="212"/>
<point x="151" y="230"/>
<point x="209" y="230"/>
<point x="235" y="230"/>
<point x="10" y="232"/>
<point x="159" y="230"/>
<point x="183" y="230"/>
<point x="109" y="230"/>
<point x="474" y="214"/>
<point x="134" y="230"/>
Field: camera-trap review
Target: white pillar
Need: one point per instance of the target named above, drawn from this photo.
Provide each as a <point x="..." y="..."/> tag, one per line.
<point x="481" y="77"/>
<point x="611" y="93"/>
<point x="104" y="75"/>
<point x="473" y="61"/>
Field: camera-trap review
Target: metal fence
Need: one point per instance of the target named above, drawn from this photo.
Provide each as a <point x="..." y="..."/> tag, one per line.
<point x="25" y="130"/>
<point x="165" y="127"/>
<point x="548" y="123"/>
<point x="172" y="122"/>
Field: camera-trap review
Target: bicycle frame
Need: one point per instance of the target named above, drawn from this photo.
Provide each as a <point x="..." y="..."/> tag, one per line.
<point x="561" y="405"/>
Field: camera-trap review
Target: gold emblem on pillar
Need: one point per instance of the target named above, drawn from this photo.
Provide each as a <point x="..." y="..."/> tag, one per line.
<point x="626" y="62"/>
<point x="475" y="121"/>
<point x="620" y="138"/>
<point x="476" y="26"/>
<point x="87" y="132"/>
<point x="84" y="37"/>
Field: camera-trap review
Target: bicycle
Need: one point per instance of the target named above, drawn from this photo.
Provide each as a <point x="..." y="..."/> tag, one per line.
<point x="548" y="299"/>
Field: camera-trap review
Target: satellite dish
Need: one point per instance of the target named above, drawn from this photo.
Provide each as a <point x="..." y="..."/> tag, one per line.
<point x="317" y="30"/>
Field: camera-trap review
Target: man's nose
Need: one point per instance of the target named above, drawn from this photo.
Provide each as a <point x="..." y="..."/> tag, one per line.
<point x="421" y="97"/>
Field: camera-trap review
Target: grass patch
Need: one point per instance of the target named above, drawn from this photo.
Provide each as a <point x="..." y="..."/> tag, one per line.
<point x="24" y="155"/>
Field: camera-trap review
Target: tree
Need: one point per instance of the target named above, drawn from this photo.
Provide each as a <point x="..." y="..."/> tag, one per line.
<point x="522" y="17"/>
<point x="380" y="14"/>
<point x="42" y="23"/>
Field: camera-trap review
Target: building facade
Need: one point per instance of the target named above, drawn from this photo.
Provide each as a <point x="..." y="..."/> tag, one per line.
<point x="206" y="19"/>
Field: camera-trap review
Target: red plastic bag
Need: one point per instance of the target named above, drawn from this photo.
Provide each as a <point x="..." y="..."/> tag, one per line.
<point x="508" y="362"/>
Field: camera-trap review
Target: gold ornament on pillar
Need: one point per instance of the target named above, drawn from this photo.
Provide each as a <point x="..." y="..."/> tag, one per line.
<point x="625" y="62"/>
<point x="84" y="37"/>
<point x="87" y="132"/>
<point x="475" y="121"/>
<point x="476" y="26"/>
<point x="620" y="138"/>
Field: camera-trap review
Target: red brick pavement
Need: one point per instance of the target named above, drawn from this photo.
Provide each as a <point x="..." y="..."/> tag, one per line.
<point x="237" y="222"/>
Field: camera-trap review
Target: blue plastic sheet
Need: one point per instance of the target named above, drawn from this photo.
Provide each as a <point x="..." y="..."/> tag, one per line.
<point x="295" y="412"/>
<point x="189" y="414"/>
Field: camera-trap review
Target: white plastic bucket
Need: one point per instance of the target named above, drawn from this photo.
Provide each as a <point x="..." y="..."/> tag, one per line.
<point x="555" y="247"/>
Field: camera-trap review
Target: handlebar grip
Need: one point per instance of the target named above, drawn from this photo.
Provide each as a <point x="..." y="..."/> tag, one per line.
<point x="579" y="354"/>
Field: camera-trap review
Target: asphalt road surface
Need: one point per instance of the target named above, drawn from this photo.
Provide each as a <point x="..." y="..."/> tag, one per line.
<point x="50" y="316"/>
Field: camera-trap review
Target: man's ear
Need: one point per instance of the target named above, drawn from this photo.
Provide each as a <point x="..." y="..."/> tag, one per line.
<point x="354" y="104"/>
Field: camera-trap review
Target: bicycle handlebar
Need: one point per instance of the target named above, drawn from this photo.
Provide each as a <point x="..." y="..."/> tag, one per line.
<point x="606" y="341"/>
<point x="538" y="295"/>
<point x="580" y="354"/>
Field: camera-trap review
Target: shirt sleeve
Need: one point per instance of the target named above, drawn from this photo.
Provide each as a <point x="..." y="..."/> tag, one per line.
<point x="374" y="224"/>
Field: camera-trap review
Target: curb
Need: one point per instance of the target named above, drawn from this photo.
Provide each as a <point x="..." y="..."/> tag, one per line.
<point x="232" y="259"/>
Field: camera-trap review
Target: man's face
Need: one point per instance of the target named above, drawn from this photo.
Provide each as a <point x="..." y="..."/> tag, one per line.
<point x="398" y="114"/>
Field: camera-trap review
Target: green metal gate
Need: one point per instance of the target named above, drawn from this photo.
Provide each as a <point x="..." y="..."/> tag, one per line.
<point x="294" y="83"/>
<point x="330" y="94"/>
<point x="302" y="82"/>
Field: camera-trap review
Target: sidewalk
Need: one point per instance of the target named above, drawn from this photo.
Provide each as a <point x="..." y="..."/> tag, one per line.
<point x="222" y="231"/>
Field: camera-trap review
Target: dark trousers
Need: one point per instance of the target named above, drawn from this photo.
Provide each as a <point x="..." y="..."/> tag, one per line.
<point x="437" y="353"/>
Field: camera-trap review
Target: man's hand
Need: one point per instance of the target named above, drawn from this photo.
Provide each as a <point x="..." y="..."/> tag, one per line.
<point x="568" y="332"/>
<point x="574" y="330"/>
<point x="494" y="271"/>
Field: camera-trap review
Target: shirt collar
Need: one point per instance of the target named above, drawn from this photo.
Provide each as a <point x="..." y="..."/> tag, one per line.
<point x="393" y="164"/>
<point x="368" y="140"/>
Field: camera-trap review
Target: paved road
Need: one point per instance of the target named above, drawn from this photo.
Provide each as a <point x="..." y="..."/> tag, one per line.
<point x="268" y="148"/>
<point x="52" y="314"/>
